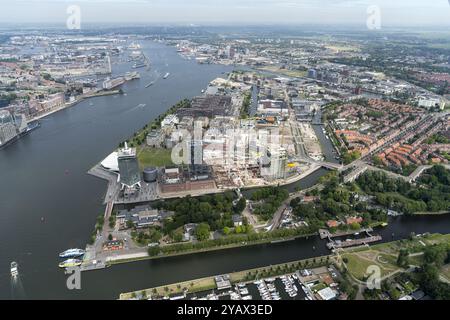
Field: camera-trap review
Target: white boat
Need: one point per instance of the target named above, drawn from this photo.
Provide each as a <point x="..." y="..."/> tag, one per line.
<point x="166" y="75"/>
<point x="72" y="253"/>
<point x="234" y="296"/>
<point x="14" y="269"/>
<point x="243" y="292"/>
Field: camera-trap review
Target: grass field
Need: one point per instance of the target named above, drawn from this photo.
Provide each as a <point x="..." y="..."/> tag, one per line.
<point x="446" y="271"/>
<point x="359" y="262"/>
<point x="385" y="255"/>
<point x="289" y="73"/>
<point x="151" y="157"/>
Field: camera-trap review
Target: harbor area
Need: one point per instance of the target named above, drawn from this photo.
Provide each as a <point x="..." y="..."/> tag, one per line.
<point x="313" y="279"/>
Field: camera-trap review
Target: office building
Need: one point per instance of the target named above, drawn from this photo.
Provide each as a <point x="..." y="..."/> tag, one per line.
<point x="130" y="176"/>
<point x="8" y="130"/>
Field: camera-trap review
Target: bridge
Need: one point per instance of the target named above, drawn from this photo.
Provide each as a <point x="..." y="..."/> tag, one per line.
<point x="324" y="164"/>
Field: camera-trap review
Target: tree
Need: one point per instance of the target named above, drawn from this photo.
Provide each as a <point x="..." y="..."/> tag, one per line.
<point x="436" y="255"/>
<point x="129" y="224"/>
<point x="403" y="258"/>
<point x="177" y="236"/>
<point x="202" y="232"/>
<point x="355" y="226"/>
<point x="226" y="231"/>
<point x="110" y="237"/>
<point x="154" y="251"/>
<point x="240" y="206"/>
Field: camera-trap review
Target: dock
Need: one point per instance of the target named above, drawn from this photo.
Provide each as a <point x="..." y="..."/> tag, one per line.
<point x="351" y="243"/>
<point x="325" y="234"/>
<point x="91" y="266"/>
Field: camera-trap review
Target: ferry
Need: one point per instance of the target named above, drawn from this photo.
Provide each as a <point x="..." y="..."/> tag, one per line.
<point x="166" y="75"/>
<point x="14" y="269"/>
<point x="70" y="263"/>
<point x="72" y="253"/>
<point x="132" y="75"/>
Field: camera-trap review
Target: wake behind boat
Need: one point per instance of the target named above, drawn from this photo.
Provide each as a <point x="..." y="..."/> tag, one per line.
<point x="72" y="253"/>
<point x="150" y="84"/>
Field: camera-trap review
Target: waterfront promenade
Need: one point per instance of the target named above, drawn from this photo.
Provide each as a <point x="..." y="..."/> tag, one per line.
<point x="73" y="103"/>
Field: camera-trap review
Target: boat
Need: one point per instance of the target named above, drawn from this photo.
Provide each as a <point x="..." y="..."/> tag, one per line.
<point x="70" y="263"/>
<point x="132" y="75"/>
<point x="166" y="75"/>
<point x="72" y="253"/>
<point x="33" y="125"/>
<point x="150" y="84"/>
<point x="243" y="292"/>
<point x="14" y="269"/>
<point x="139" y="65"/>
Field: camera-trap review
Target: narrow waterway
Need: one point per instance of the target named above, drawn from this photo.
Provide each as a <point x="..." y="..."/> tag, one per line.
<point x="111" y="282"/>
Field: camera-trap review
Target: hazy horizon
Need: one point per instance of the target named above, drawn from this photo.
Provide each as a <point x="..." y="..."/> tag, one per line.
<point x="402" y="13"/>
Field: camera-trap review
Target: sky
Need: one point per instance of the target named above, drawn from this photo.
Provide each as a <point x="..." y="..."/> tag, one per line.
<point x="225" y="12"/>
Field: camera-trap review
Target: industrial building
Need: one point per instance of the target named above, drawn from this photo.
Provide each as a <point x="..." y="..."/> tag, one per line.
<point x="109" y="84"/>
<point x="273" y="107"/>
<point x="208" y="106"/>
<point x="188" y="178"/>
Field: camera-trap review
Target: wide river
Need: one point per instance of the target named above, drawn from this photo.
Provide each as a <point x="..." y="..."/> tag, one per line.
<point x="43" y="177"/>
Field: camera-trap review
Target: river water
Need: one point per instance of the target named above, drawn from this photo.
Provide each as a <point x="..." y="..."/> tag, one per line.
<point x="44" y="176"/>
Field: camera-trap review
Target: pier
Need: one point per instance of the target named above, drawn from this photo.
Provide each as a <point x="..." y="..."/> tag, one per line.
<point x="92" y="266"/>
